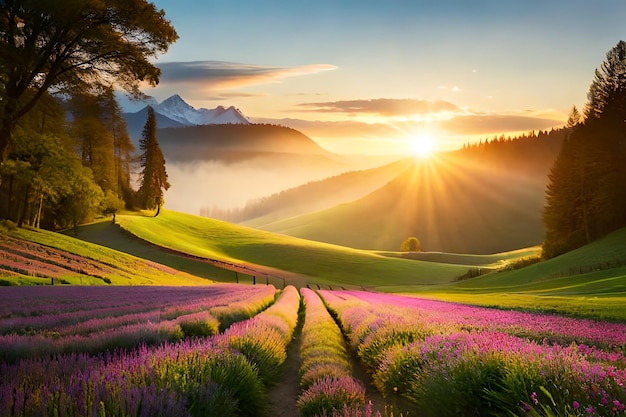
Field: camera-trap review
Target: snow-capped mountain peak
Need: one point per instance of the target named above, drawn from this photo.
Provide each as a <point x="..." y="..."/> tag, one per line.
<point x="177" y="109"/>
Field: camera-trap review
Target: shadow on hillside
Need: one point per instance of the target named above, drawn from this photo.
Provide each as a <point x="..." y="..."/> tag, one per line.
<point x="114" y="237"/>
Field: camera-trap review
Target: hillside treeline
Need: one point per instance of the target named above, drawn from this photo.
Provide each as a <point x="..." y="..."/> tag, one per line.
<point x="65" y="154"/>
<point x="530" y="151"/>
<point x="225" y="141"/>
<point x="67" y="162"/>
<point x="586" y="195"/>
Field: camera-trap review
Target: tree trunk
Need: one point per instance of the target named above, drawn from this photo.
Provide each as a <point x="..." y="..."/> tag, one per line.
<point x="158" y="210"/>
<point x="6" y="127"/>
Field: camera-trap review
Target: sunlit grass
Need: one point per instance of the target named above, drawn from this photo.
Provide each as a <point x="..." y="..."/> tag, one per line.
<point x="127" y="269"/>
<point x="561" y="285"/>
<point x="319" y="263"/>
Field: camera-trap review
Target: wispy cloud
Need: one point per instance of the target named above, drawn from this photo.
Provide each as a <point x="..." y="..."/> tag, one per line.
<point x="226" y="75"/>
<point x="468" y="124"/>
<point x="476" y="124"/>
<point x="385" y="107"/>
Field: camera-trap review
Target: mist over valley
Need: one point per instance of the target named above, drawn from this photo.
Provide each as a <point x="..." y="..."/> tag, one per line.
<point x="485" y="198"/>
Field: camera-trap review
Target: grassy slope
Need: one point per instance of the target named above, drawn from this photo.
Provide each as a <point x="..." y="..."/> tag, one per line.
<point x="119" y="267"/>
<point x="449" y="203"/>
<point x="320" y="263"/>
<point x="320" y="195"/>
<point x="557" y="284"/>
<point x="493" y="261"/>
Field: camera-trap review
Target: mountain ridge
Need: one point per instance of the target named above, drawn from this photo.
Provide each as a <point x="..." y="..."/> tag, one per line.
<point x="175" y="108"/>
<point x="175" y="112"/>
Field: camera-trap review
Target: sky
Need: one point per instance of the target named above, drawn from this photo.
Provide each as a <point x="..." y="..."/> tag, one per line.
<point x="374" y="77"/>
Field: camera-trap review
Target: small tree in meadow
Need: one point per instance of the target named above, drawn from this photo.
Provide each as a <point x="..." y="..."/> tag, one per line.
<point x="411" y="244"/>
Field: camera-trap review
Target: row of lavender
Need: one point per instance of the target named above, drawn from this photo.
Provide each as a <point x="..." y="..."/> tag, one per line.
<point x="37" y="321"/>
<point x="326" y="377"/>
<point x="221" y="375"/>
<point x="450" y="359"/>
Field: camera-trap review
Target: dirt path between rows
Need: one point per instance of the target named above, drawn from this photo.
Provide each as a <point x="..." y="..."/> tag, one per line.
<point x="284" y="395"/>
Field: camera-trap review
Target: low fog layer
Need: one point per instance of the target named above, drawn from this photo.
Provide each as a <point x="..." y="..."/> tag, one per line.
<point x="202" y="184"/>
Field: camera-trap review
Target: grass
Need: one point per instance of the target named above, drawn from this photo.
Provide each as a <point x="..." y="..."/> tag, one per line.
<point x="493" y="261"/>
<point x="318" y="263"/>
<point x="587" y="282"/>
<point x="118" y="267"/>
<point x="107" y="234"/>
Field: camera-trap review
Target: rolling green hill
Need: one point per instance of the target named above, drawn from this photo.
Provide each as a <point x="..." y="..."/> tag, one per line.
<point x="491" y="261"/>
<point x="589" y="281"/>
<point x="316" y="263"/>
<point x="450" y="204"/>
<point x="316" y="195"/>
<point x="484" y="198"/>
<point x="29" y="257"/>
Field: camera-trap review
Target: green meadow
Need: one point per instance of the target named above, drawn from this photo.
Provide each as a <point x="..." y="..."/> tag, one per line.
<point x="587" y="282"/>
<point x="181" y="249"/>
<point x="316" y="263"/>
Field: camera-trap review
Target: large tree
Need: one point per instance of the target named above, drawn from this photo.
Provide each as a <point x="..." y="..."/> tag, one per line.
<point x="586" y="195"/>
<point x="74" y="45"/>
<point x="153" y="176"/>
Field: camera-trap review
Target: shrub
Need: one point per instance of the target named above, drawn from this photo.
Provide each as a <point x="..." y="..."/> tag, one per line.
<point x="329" y="394"/>
<point x="199" y="324"/>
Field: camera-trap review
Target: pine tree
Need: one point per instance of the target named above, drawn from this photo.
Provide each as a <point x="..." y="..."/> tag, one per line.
<point x="586" y="195"/>
<point x="574" y="118"/>
<point x="153" y="176"/>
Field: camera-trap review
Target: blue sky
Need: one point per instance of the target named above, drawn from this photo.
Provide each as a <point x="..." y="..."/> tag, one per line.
<point x="367" y="76"/>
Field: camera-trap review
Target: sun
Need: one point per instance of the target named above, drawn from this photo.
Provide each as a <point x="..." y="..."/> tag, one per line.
<point x="423" y="145"/>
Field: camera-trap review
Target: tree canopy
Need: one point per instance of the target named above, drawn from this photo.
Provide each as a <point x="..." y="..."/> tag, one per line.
<point x="75" y="45"/>
<point x="411" y="244"/>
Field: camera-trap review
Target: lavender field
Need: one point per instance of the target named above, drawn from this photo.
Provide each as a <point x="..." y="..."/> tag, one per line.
<point x="218" y="350"/>
<point x="449" y="359"/>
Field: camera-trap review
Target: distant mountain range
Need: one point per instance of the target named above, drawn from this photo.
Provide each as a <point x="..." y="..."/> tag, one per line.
<point x="175" y="112"/>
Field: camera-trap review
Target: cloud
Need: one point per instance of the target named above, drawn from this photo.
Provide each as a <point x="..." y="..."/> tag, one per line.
<point x="469" y="124"/>
<point x="476" y="124"/>
<point x="227" y="75"/>
<point x="385" y="107"/>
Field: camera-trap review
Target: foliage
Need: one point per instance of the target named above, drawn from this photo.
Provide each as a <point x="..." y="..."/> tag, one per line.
<point x="471" y="361"/>
<point x="221" y="375"/>
<point x="153" y="177"/>
<point x="411" y="244"/>
<point x="45" y="183"/>
<point x="263" y="339"/>
<point x="103" y="144"/>
<point x="198" y="324"/>
<point x="329" y="395"/>
<point x="72" y="46"/>
<point x="233" y="312"/>
<point x="586" y="195"/>
<point x="86" y="320"/>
